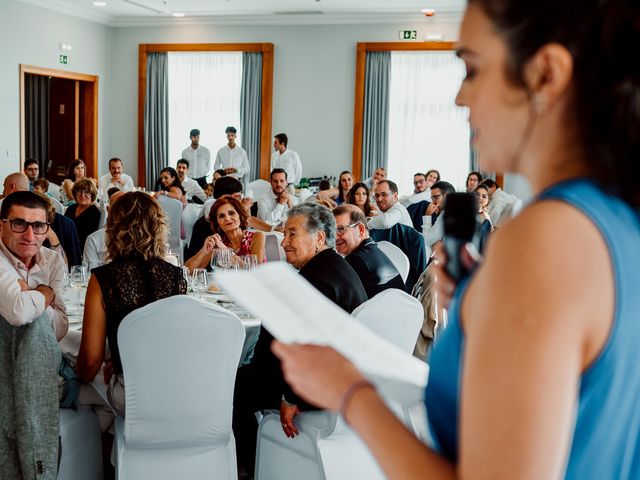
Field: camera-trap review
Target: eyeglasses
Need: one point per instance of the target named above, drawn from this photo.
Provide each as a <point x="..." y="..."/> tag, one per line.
<point x="382" y="194"/>
<point x="83" y="192"/>
<point x="341" y="230"/>
<point x="435" y="197"/>
<point x="20" y="226"/>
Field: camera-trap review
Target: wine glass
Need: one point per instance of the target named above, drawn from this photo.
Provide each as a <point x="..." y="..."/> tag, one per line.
<point x="250" y="262"/>
<point x="224" y="258"/>
<point x="78" y="278"/>
<point x="187" y="278"/>
<point x="200" y="280"/>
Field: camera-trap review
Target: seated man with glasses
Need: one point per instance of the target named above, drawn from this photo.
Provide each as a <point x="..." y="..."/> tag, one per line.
<point x="433" y="222"/>
<point x="386" y="195"/>
<point x="31" y="276"/>
<point x="376" y="271"/>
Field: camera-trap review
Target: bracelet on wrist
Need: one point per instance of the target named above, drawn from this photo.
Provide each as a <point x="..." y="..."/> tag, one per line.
<point x="349" y="394"/>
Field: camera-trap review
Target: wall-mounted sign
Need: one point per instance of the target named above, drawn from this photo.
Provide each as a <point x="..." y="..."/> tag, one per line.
<point x="64" y="59"/>
<point x="408" y="34"/>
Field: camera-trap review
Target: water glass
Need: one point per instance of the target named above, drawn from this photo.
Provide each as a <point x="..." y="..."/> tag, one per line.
<point x="200" y="280"/>
<point x="249" y="262"/>
<point x="187" y="278"/>
<point x="78" y="278"/>
<point x="224" y="258"/>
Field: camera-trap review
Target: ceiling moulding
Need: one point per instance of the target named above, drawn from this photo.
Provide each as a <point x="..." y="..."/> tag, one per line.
<point x="72" y="11"/>
<point x="324" y="19"/>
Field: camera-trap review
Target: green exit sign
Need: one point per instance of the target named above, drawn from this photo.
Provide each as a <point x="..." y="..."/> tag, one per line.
<point x="64" y="59"/>
<point x="408" y="34"/>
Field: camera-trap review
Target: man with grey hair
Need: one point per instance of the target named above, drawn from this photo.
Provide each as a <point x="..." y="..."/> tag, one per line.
<point x="376" y="271"/>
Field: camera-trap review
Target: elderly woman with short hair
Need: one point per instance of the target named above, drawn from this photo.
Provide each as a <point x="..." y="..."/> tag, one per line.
<point x="309" y="241"/>
<point x="84" y="212"/>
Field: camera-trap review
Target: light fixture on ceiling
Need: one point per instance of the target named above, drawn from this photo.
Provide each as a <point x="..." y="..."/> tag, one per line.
<point x="428" y="12"/>
<point x="99" y="4"/>
<point x="178" y="14"/>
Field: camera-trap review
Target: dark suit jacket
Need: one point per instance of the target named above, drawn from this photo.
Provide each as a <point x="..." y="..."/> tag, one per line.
<point x="376" y="271"/>
<point x="68" y="235"/>
<point x="336" y="280"/>
<point x="411" y="243"/>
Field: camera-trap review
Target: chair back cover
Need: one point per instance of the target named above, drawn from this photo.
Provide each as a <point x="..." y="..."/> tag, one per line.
<point x="397" y="257"/>
<point x="259" y="188"/>
<point x="394" y="315"/>
<point x="173" y="209"/>
<point x="59" y="208"/>
<point x="190" y="214"/>
<point x="179" y="356"/>
<point x="272" y="248"/>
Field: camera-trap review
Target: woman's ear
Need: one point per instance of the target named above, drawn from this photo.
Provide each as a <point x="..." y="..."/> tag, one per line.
<point x="321" y="238"/>
<point x="548" y="75"/>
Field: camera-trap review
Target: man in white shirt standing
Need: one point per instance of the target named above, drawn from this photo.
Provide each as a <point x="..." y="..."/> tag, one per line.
<point x="386" y="194"/>
<point x="115" y="178"/>
<point x="199" y="158"/>
<point x="286" y="159"/>
<point x="232" y="158"/>
<point x="31" y="276"/>
<point x="193" y="190"/>
<point x="273" y="207"/>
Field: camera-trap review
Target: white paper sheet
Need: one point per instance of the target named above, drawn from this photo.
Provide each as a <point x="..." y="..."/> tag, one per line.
<point x="295" y="312"/>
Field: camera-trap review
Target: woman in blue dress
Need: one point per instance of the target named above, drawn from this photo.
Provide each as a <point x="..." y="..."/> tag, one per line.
<point x="537" y="374"/>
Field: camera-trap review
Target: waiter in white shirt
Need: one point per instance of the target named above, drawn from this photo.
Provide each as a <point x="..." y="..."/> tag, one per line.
<point x="286" y="159"/>
<point x="199" y="158"/>
<point x="232" y="158"/>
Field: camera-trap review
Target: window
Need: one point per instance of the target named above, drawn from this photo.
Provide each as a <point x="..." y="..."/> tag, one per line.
<point x="426" y="129"/>
<point x="204" y="93"/>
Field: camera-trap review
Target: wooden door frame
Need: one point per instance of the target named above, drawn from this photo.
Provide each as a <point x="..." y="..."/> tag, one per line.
<point x="358" y="109"/>
<point x="91" y="112"/>
<point x="266" y="98"/>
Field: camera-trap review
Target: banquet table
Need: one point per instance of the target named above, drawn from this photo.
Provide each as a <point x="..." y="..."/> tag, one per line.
<point x="70" y="344"/>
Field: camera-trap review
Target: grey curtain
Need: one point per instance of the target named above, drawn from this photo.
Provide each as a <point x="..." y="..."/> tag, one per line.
<point x="375" y="126"/>
<point x="156" y="116"/>
<point x="474" y="165"/>
<point x="250" y="101"/>
<point x="36" y="105"/>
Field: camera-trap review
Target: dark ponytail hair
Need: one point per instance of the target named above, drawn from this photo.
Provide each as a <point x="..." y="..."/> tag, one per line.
<point x="601" y="35"/>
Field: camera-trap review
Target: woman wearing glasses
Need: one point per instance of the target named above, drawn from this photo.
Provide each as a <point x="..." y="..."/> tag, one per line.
<point x="84" y="212"/>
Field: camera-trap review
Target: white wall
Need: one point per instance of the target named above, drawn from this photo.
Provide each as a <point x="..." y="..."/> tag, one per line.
<point x="30" y="35"/>
<point x="314" y="68"/>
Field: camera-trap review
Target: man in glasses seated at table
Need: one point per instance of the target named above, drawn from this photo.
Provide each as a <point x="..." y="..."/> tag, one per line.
<point x="31" y="276"/>
<point x="376" y="271"/>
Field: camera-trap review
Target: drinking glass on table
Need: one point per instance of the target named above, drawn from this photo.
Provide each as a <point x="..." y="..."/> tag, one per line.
<point x="250" y="262"/>
<point x="187" y="278"/>
<point x="224" y="258"/>
<point x="78" y="278"/>
<point x="200" y="281"/>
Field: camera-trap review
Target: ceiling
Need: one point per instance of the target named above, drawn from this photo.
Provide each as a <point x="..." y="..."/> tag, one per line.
<point x="159" y="12"/>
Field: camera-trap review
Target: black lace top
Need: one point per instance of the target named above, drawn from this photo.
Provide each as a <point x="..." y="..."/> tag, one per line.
<point x="131" y="283"/>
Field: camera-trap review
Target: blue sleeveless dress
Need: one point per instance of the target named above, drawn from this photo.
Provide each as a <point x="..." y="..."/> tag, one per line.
<point x="607" y="429"/>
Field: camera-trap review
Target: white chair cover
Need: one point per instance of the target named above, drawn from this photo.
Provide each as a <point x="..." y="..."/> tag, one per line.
<point x="190" y="214"/>
<point x="397" y="257"/>
<point x="54" y="191"/>
<point x="327" y="448"/>
<point x="273" y="248"/>
<point x="173" y="209"/>
<point x="57" y="205"/>
<point x="103" y="214"/>
<point x="259" y="188"/>
<point x="179" y="356"/>
<point x="81" y="452"/>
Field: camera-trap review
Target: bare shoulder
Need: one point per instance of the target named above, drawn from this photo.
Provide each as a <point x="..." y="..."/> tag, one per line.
<point x="548" y="272"/>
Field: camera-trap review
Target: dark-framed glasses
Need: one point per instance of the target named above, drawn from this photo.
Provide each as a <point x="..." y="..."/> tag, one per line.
<point x="341" y="230"/>
<point x="19" y="225"/>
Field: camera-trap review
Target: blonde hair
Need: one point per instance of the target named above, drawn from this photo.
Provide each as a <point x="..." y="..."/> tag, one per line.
<point x="136" y="225"/>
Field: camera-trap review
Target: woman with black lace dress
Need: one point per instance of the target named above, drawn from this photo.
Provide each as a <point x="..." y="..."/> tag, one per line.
<point x="137" y="275"/>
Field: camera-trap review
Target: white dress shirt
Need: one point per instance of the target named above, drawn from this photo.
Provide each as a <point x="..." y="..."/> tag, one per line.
<point x="432" y="233"/>
<point x="500" y="206"/>
<point x="193" y="189"/>
<point x="199" y="160"/>
<point x="106" y="182"/>
<point x="235" y="157"/>
<point x="95" y="249"/>
<point x="290" y="162"/>
<point x="272" y="211"/>
<point x="416" y="198"/>
<point x="396" y="214"/>
<point x="21" y="307"/>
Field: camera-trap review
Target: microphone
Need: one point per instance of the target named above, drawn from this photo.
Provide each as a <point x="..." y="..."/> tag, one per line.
<point x="459" y="227"/>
